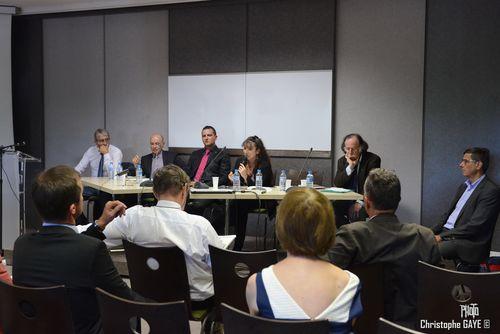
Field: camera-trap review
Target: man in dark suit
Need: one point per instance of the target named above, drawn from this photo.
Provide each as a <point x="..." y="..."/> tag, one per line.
<point x="209" y="161"/>
<point x="352" y="170"/>
<point x="465" y="230"/>
<point x="58" y="255"/>
<point x="158" y="157"/>
<point x="384" y="239"/>
<point x="204" y="164"/>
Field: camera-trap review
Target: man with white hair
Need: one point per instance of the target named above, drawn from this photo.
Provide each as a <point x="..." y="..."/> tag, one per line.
<point x="157" y="158"/>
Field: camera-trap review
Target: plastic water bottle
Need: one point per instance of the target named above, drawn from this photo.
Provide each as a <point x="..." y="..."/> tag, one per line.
<point x="283" y="180"/>
<point x="309" y="179"/>
<point x="111" y="170"/>
<point x="258" y="180"/>
<point x="236" y="181"/>
<point x="138" y="173"/>
<point x="118" y="169"/>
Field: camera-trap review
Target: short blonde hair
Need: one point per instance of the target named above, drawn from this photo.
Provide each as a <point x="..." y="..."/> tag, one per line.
<point x="305" y="224"/>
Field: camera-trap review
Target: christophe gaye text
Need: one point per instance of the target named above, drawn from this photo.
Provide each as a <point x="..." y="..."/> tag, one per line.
<point x="469" y="319"/>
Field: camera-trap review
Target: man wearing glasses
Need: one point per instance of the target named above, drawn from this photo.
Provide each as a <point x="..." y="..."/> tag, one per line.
<point x="98" y="158"/>
<point x="352" y="170"/>
<point x="464" y="233"/>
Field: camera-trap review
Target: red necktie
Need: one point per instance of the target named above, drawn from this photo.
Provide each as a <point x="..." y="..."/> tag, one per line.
<point x="201" y="167"/>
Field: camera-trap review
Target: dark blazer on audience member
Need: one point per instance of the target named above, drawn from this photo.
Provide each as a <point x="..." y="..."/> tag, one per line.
<point x="219" y="167"/>
<point x="57" y="255"/>
<point x="368" y="162"/>
<point x="383" y="239"/>
<point x="476" y="222"/>
<point x="168" y="158"/>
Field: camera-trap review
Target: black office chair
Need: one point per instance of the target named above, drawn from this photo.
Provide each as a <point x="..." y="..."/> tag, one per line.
<point x="447" y="295"/>
<point x="387" y="327"/>
<point x="231" y="270"/>
<point x="239" y="322"/>
<point x="372" y="296"/>
<point x="26" y="310"/>
<point x="117" y="313"/>
<point x="160" y="273"/>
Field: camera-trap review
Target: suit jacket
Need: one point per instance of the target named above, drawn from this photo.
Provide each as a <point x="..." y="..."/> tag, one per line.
<point x="475" y="223"/>
<point x="368" y="162"/>
<point x="57" y="255"/>
<point x="219" y="167"/>
<point x="383" y="239"/>
<point x="168" y="158"/>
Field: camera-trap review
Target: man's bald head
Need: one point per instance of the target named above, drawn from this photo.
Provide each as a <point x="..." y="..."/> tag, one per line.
<point x="156" y="141"/>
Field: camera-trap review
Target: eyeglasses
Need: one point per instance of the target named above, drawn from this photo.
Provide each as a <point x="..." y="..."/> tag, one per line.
<point x="466" y="161"/>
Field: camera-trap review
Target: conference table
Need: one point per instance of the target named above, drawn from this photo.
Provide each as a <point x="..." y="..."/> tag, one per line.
<point x="130" y="186"/>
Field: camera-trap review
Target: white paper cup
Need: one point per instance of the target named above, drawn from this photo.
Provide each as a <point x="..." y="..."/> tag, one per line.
<point x="288" y="183"/>
<point x="303" y="183"/>
<point x="215" y="182"/>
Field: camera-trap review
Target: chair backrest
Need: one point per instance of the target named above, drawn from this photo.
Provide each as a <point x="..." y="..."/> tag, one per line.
<point x="116" y="315"/>
<point x="450" y="296"/>
<point x="239" y="322"/>
<point x="158" y="273"/>
<point x="387" y="327"/>
<point x="231" y="270"/>
<point x="34" y="310"/>
<point x="372" y="295"/>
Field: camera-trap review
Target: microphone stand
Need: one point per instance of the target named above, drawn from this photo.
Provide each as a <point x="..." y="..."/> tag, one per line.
<point x="305" y="161"/>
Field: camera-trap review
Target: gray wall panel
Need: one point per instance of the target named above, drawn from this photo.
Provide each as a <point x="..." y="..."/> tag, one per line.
<point x="380" y="64"/>
<point x="208" y="39"/>
<point x="74" y="86"/>
<point x="291" y="35"/>
<point x="462" y="96"/>
<point x="136" y="79"/>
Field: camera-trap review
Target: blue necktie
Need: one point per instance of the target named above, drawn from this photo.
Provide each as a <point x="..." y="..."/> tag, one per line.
<point x="100" y="170"/>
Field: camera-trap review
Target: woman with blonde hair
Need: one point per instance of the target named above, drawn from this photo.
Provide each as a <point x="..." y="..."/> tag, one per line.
<point x="303" y="286"/>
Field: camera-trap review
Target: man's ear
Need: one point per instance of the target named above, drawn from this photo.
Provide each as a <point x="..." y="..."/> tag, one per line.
<point x="479" y="165"/>
<point x="72" y="209"/>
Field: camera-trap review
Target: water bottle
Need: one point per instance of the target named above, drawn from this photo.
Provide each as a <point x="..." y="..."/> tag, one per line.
<point x="138" y="173"/>
<point x="283" y="180"/>
<point x="309" y="179"/>
<point x="236" y="181"/>
<point x="111" y="170"/>
<point x="118" y="169"/>
<point x="258" y="180"/>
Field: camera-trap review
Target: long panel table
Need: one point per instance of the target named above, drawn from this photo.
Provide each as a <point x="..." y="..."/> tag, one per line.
<point x="131" y="187"/>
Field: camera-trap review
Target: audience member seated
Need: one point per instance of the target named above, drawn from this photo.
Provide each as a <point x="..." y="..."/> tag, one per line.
<point x="5" y="277"/>
<point x="157" y="158"/>
<point x="98" y="158"/>
<point x="254" y="157"/>
<point x="58" y="255"/>
<point x="166" y="224"/>
<point x="303" y="286"/>
<point x="352" y="170"/>
<point x="203" y="165"/>
<point x="384" y="239"/>
<point x="4" y="274"/>
<point x="465" y="230"/>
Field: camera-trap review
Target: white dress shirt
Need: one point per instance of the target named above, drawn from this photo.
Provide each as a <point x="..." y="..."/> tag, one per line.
<point x="165" y="225"/>
<point x="92" y="157"/>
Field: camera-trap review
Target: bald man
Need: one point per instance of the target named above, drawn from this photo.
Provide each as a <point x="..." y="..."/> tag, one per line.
<point x="158" y="157"/>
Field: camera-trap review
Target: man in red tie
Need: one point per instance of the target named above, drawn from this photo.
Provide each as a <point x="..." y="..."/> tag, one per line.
<point x="204" y="164"/>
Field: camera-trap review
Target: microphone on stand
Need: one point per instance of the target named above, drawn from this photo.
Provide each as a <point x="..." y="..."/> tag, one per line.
<point x="305" y="162"/>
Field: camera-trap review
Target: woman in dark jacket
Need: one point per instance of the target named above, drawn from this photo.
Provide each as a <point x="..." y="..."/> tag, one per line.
<point x="254" y="157"/>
